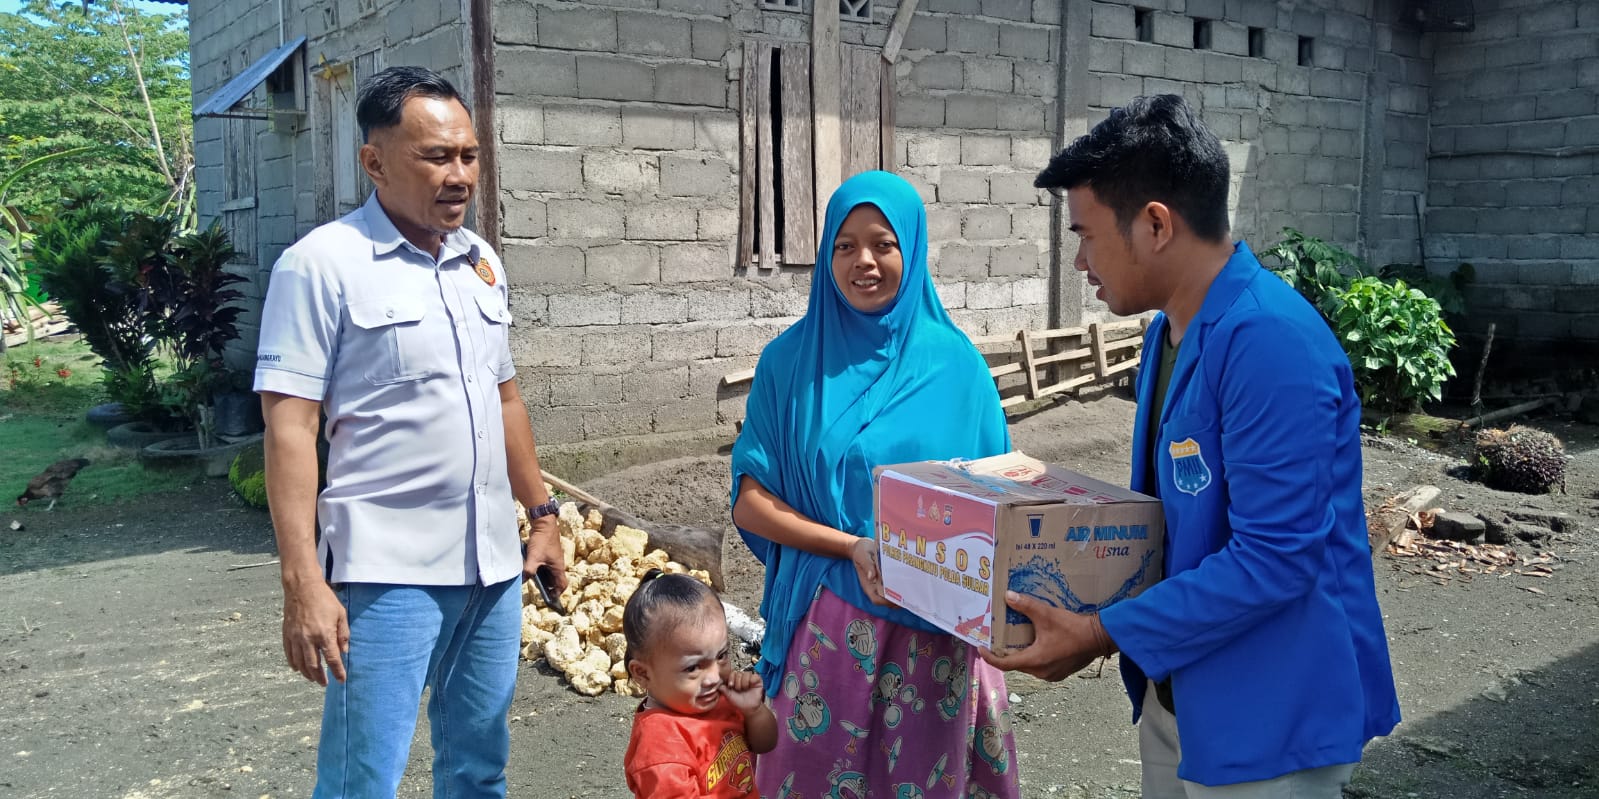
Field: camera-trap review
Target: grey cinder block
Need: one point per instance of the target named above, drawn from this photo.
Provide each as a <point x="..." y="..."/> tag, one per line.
<point x="572" y="28"/>
<point x="586" y="125"/>
<point x="583" y="219"/>
<point x="963" y="186"/>
<point x="587" y="308"/>
<point x="518" y="71"/>
<point x="654" y="34"/>
<point x="540" y="169"/>
<point x="692" y="263"/>
<point x="972" y="36"/>
<point x="614" y="78"/>
<point x="686" y="176"/>
<point x="691" y="84"/>
<point x="967" y="111"/>
<point x="985" y="223"/>
<point x="625" y="264"/>
<point x="1112" y="21"/>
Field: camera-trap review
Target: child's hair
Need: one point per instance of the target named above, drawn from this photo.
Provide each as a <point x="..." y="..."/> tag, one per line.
<point x="659" y="604"/>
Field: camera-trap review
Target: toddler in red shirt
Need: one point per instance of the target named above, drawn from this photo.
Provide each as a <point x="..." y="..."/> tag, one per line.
<point x="701" y="725"/>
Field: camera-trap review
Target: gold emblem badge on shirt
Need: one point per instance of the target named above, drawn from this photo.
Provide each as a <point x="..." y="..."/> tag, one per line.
<point x="485" y="271"/>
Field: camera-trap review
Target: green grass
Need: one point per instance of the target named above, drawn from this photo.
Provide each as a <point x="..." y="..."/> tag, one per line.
<point x="41" y="422"/>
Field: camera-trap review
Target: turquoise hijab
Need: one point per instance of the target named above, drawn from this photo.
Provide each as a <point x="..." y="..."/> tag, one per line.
<point x="842" y="391"/>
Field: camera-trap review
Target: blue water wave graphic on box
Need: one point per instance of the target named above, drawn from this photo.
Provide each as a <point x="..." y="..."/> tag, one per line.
<point x="1041" y="578"/>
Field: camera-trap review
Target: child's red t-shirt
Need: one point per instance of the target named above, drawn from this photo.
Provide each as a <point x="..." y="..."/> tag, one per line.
<point x="672" y="756"/>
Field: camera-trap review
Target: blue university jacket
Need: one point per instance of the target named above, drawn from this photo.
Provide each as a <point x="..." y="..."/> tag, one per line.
<point x="1267" y="621"/>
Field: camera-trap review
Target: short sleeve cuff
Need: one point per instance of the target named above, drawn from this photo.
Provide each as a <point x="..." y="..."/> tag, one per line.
<point x="294" y="384"/>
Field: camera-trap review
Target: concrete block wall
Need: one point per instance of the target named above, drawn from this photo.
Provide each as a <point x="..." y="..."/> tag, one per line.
<point x="1514" y="172"/>
<point x="618" y="158"/>
<point x="977" y="86"/>
<point x="1294" y="133"/>
<point x="227" y="37"/>
<point x="1396" y="141"/>
<point x="619" y="152"/>
<point x="618" y="147"/>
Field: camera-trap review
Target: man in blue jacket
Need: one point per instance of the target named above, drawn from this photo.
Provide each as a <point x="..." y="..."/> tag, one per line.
<point x="1263" y="647"/>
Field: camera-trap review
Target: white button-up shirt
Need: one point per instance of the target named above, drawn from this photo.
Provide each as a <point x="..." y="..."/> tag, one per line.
<point x="406" y="353"/>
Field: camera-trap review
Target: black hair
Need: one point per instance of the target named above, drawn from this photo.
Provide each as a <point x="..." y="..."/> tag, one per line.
<point x="659" y="603"/>
<point x="1154" y="149"/>
<point x="383" y="95"/>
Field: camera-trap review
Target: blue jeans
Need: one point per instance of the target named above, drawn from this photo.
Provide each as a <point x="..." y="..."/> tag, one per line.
<point x="463" y="642"/>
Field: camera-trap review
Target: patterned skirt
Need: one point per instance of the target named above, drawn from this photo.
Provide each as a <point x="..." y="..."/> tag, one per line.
<point x="869" y="708"/>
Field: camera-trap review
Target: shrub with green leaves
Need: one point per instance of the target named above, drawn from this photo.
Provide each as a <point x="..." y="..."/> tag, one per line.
<point x="1449" y="290"/>
<point x="1317" y="270"/>
<point x="69" y="253"/>
<point x="247" y="475"/>
<point x="1397" y="341"/>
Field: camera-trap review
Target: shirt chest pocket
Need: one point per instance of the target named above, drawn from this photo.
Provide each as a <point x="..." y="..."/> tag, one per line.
<point x="394" y="343"/>
<point x="496" y="329"/>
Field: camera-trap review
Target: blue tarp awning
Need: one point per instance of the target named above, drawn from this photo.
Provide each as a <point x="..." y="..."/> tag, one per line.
<point x="225" y="98"/>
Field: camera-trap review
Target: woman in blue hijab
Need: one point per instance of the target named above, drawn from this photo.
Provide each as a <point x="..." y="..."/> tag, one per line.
<point x="868" y="696"/>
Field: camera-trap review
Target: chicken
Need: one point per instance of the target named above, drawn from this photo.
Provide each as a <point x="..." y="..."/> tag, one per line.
<point x="52" y="482"/>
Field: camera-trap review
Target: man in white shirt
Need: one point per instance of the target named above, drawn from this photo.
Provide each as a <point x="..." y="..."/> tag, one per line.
<point x="393" y="321"/>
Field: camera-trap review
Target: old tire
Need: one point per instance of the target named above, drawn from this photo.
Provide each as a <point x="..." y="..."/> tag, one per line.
<point x="108" y="415"/>
<point x="138" y="435"/>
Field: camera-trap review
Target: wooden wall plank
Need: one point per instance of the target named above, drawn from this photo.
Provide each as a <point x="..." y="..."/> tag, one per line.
<point x="825" y="104"/>
<point x="1096" y="336"/>
<point x="766" y="159"/>
<point x="1029" y="363"/>
<point x="863" y="97"/>
<point x="799" y="222"/>
<point x="487" y="198"/>
<point x="885" y="115"/>
<point x="748" y="86"/>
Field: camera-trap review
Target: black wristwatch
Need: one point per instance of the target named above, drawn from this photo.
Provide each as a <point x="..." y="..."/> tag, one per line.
<point x="543" y="510"/>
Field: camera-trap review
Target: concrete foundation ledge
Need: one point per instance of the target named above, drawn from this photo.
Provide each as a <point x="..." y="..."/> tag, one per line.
<point x="585" y="460"/>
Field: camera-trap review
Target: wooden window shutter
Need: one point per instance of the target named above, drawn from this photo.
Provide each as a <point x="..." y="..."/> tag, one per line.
<point x="239" y="192"/>
<point x="775" y="180"/>
<point x="781" y="199"/>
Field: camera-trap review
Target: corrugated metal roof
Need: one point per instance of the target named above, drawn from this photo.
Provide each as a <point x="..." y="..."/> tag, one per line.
<point x="245" y="82"/>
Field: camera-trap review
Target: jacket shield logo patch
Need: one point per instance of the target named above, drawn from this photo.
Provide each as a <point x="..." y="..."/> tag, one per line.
<point x="1188" y="470"/>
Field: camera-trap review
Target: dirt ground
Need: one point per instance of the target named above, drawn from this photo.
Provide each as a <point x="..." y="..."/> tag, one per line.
<point x="136" y="661"/>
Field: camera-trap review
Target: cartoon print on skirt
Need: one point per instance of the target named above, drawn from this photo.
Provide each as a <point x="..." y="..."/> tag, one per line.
<point x="895" y="712"/>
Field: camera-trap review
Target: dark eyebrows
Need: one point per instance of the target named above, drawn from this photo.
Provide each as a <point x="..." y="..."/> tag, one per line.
<point x="439" y="151"/>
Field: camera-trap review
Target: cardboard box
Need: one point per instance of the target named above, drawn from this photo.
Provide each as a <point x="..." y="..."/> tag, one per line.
<point x="945" y="530"/>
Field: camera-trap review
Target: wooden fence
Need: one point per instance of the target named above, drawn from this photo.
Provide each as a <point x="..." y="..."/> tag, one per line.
<point x="1035" y="364"/>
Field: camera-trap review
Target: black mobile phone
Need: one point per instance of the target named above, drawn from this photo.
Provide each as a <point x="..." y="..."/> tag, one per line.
<point x="544" y="581"/>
